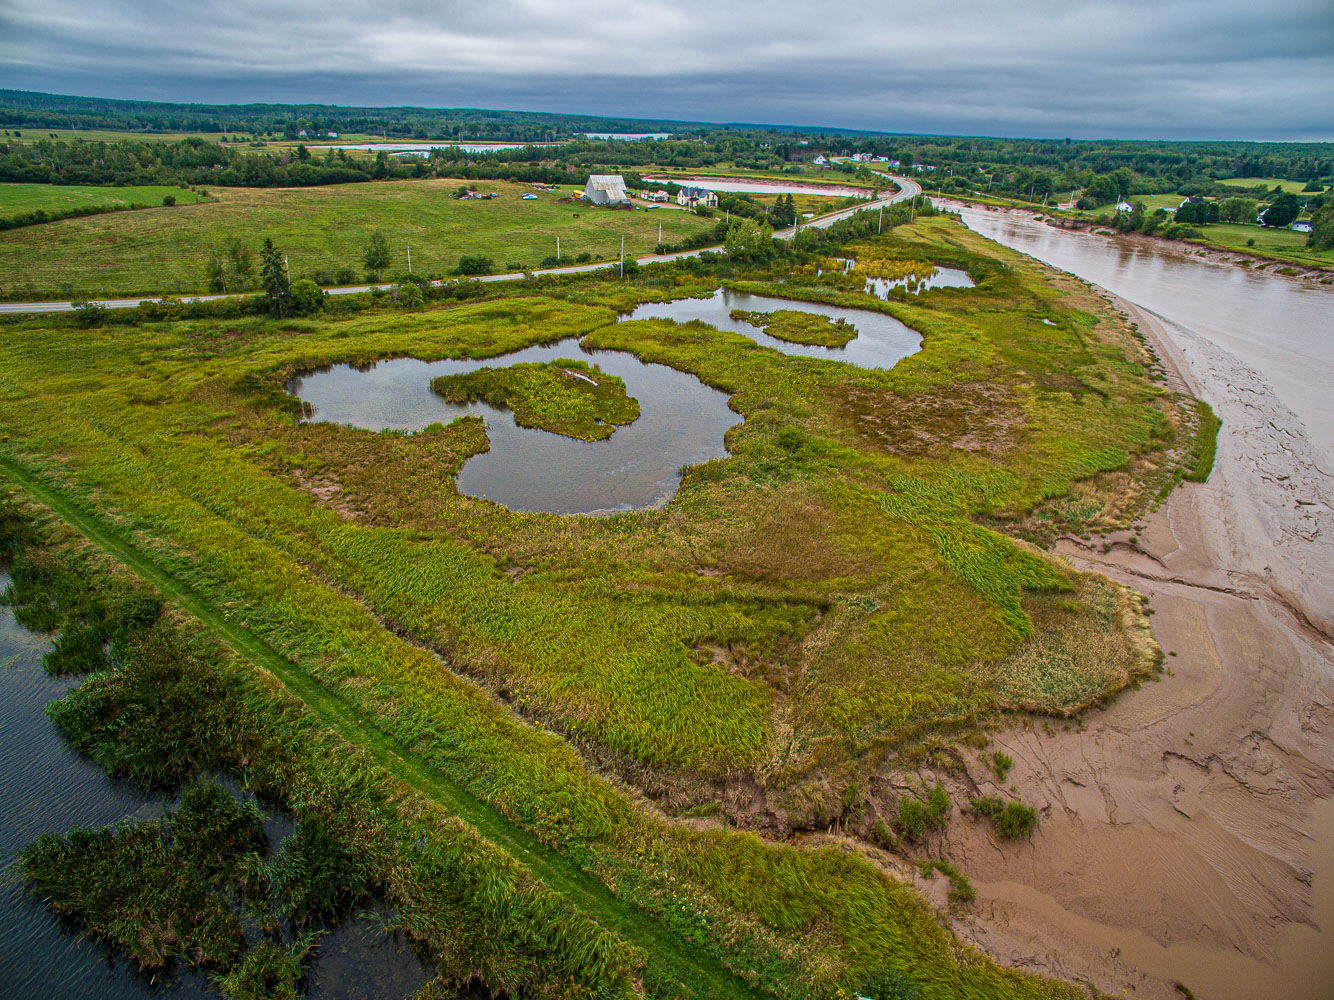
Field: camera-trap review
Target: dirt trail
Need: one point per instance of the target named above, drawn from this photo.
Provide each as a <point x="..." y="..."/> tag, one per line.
<point x="1186" y="830"/>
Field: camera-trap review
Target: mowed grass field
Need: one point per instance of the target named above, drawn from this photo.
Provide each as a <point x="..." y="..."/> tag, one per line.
<point x="164" y="250"/>
<point x="1283" y="244"/>
<point x="1153" y="202"/>
<point x="16" y="199"/>
<point x="1268" y="183"/>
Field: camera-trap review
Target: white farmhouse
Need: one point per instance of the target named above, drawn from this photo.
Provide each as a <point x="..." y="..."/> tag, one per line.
<point x="693" y="197"/>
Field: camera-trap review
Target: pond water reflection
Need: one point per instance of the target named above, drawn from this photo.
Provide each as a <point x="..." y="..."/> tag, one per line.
<point x="682" y="421"/>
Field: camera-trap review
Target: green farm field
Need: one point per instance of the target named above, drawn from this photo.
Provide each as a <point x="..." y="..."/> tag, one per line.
<point x="1268" y="183"/>
<point x="16" y="199"/>
<point x="632" y="715"/>
<point x="165" y="250"/>
<point x="1280" y="244"/>
<point x="1153" y="202"/>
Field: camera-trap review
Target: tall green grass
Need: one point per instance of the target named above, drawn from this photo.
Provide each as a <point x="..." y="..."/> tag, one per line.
<point x="1205" y="444"/>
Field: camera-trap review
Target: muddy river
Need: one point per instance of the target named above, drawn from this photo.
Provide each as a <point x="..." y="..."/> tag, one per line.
<point x="1282" y="327"/>
<point x="1187" y="828"/>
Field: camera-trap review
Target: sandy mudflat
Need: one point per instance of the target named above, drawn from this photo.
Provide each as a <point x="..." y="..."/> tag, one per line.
<point x="1187" y="834"/>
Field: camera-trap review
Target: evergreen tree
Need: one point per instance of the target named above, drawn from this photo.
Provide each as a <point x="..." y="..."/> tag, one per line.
<point x="273" y="275"/>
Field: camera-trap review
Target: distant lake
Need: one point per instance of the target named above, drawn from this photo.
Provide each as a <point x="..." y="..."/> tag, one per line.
<point x="736" y="185"/>
<point x="424" y="147"/>
<point x="628" y="136"/>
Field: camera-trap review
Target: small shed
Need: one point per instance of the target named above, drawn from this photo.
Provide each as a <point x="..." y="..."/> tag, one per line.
<point x="606" y="189"/>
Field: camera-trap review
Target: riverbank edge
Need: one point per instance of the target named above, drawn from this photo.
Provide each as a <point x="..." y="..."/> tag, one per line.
<point x="1062" y="939"/>
<point x="1321" y="274"/>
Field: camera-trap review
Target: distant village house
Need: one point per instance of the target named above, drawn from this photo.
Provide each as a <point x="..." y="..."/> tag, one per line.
<point x="693" y="197"/>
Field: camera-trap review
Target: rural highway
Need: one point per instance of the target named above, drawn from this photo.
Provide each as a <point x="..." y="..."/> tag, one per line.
<point x="907" y="189"/>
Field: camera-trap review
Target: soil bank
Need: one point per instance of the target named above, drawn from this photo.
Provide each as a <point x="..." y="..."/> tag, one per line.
<point x="1186" y="829"/>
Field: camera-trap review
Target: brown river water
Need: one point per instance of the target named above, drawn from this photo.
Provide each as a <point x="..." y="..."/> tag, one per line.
<point x="1186" y="829"/>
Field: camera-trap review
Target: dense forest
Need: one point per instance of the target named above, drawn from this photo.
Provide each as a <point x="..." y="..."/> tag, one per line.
<point x="26" y="109"/>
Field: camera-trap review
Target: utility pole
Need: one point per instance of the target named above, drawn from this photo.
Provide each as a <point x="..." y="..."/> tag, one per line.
<point x="557" y="249"/>
<point x="659" y="234"/>
<point x="409" y="260"/>
<point x="622" y="256"/>
<point x="287" y="264"/>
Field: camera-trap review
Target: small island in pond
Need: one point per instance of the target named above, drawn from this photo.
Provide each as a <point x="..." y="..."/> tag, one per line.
<point x="799" y="327"/>
<point x="565" y="397"/>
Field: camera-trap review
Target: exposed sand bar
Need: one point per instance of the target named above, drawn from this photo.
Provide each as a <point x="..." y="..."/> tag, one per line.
<point x="1187" y="829"/>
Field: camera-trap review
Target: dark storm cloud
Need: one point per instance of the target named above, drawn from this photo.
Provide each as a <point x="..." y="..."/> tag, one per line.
<point x="1155" y="69"/>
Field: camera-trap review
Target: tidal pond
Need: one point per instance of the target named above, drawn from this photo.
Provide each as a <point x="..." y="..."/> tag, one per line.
<point x="941" y="277"/>
<point x="682" y="421"/>
<point x="881" y="341"/>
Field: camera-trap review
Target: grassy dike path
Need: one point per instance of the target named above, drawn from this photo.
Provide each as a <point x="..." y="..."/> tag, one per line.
<point x="671" y="961"/>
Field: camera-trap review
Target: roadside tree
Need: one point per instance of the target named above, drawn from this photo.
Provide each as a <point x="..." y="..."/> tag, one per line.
<point x="273" y="276"/>
<point x="377" y="255"/>
<point x="231" y="267"/>
<point x="748" y="240"/>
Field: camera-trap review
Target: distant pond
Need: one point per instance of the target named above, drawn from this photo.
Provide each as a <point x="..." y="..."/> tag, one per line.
<point x="682" y="421"/>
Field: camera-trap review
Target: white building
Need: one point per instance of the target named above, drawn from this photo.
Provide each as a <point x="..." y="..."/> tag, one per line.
<point x="658" y="196"/>
<point x="1302" y="226"/>
<point x="693" y="197"/>
<point x="606" y="189"/>
<point x="820" y="160"/>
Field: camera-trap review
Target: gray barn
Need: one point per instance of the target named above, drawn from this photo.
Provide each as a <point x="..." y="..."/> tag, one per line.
<point x="606" y="189"/>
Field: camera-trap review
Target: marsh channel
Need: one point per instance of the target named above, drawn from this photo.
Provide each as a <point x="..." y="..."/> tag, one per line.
<point x="46" y="786"/>
<point x="682" y="421"/>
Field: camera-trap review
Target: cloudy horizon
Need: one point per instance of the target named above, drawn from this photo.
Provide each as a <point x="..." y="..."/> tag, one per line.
<point x="1179" y="69"/>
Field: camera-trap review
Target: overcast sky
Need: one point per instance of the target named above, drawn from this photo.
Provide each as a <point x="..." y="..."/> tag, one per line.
<point x="1127" y="68"/>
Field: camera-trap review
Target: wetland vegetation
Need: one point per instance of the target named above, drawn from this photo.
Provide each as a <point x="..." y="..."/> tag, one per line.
<point x="798" y="327"/>
<point x="566" y="397"/>
<point x="469" y="708"/>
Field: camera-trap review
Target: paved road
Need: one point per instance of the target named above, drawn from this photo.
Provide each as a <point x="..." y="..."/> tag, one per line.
<point x="907" y="189"/>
